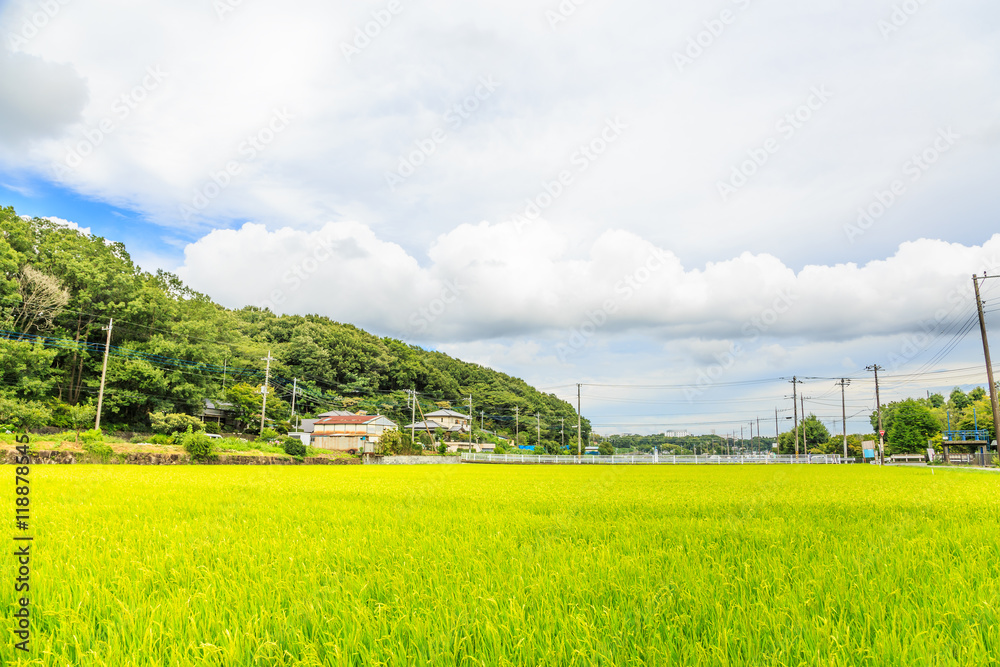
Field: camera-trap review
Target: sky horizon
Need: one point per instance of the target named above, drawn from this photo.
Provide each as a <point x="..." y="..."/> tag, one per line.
<point x="677" y="205"/>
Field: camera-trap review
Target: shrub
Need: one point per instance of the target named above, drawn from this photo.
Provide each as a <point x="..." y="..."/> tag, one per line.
<point x="212" y="427"/>
<point x="198" y="445"/>
<point x="98" y="449"/>
<point x="171" y="422"/>
<point x="442" y="448"/>
<point x="390" y="443"/>
<point x="268" y="434"/>
<point x="91" y="436"/>
<point x="161" y="439"/>
<point x="293" y="447"/>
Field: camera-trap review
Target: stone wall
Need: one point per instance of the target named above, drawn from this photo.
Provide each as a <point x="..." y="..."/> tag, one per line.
<point x="46" y="456"/>
<point x="410" y="460"/>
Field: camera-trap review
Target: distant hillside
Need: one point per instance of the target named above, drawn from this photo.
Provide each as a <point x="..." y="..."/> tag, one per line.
<point x="172" y="348"/>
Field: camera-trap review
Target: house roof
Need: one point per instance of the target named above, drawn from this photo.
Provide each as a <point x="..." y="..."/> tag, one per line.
<point x="447" y="413"/>
<point x="334" y="413"/>
<point x="347" y="419"/>
<point x="430" y="424"/>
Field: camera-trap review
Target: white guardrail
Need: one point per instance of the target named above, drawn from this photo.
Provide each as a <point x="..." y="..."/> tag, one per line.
<point x="651" y="459"/>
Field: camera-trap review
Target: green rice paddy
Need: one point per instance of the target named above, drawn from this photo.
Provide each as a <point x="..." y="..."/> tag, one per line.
<point x="491" y="565"/>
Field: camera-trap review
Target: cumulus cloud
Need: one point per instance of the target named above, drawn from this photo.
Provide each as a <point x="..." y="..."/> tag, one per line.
<point x="38" y="99"/>
<point x="496" y="280"/>
<point x="354" y="118"/>
<point x="69" y="225"/>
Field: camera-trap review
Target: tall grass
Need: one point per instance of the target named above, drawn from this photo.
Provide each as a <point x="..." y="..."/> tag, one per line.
<point x="484" y="565"/>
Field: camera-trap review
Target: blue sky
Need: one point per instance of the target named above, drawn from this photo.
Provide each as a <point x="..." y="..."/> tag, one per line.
<point x="616" y="194"/>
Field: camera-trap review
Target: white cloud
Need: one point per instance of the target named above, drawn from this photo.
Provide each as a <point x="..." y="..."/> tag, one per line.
<point x="69" y="224"/>
<point x="490" y="281"/>
<point x="353" y="120"/>
<point x="38" y="99"/>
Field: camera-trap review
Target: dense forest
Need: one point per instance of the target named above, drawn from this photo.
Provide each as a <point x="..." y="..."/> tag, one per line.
<point x="172" y="348"/>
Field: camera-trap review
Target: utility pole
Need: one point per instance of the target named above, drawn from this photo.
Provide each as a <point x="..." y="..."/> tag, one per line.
<point x="795" y="407"/>
<point x="777" y="432"/>
<point x="263" y="390"/>
<point x="562" y="433"/>
<point x="579" y="421"/>
<point x="759" y="443"/>
<point x="225" y="362"/>
<point x="741" y="437"/>
<point x="878" y="407"/>
<point x="104" y="373"/>
<point x="413" y="416"/>
<point x="538" y="426"/>
<point x="517" y="419"/>
<point x="843" y="408"/>
<point x="989" y="365"/>
<point x="471" y="417"/>
<point x="295" y="388"/>
<point x="802" y="401"/>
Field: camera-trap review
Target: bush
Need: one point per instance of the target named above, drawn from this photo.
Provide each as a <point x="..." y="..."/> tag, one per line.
<point x="293" y="447"/>
<point x="91" y="436"/>
<point x="161" y="439"/>
<point x="390" y="443"/>
<point x="442" y="448"/>
<point x="212" y="427"/>
<point x="268" y="434"/>
<point x="172" y="422"/>
<point x="98" y="449"/>
<point x="198" y="445"/>
<point x="24" y="414"/>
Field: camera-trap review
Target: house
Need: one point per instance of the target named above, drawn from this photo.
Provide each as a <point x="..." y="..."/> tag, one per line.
<point x="350" y="433"/>
<point x="450" y="420"/>
<point x="218" y="412"/>
<point x="308" y="424"/>
<point x="456" y="431"/>
<point x="454" y="424"/>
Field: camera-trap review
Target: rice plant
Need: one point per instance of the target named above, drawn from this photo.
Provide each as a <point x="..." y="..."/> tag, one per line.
<point x="492" y="565"/>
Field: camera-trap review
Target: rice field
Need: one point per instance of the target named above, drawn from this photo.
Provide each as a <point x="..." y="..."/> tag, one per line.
<point x="491" y="565"/>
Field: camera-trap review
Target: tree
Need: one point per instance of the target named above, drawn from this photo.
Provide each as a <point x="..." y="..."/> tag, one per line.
<point x="23" y="415"/>
<point x="908" y="425"/>
<point x="42" y="299"/>
<point x="958" y="400"/>
<point x="936" y="400"/>
<point x="80" y="416"/>
<point x="606" y="448"/>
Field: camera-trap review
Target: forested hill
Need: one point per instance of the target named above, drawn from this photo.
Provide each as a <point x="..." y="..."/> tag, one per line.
<point x="172" y="348"/>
